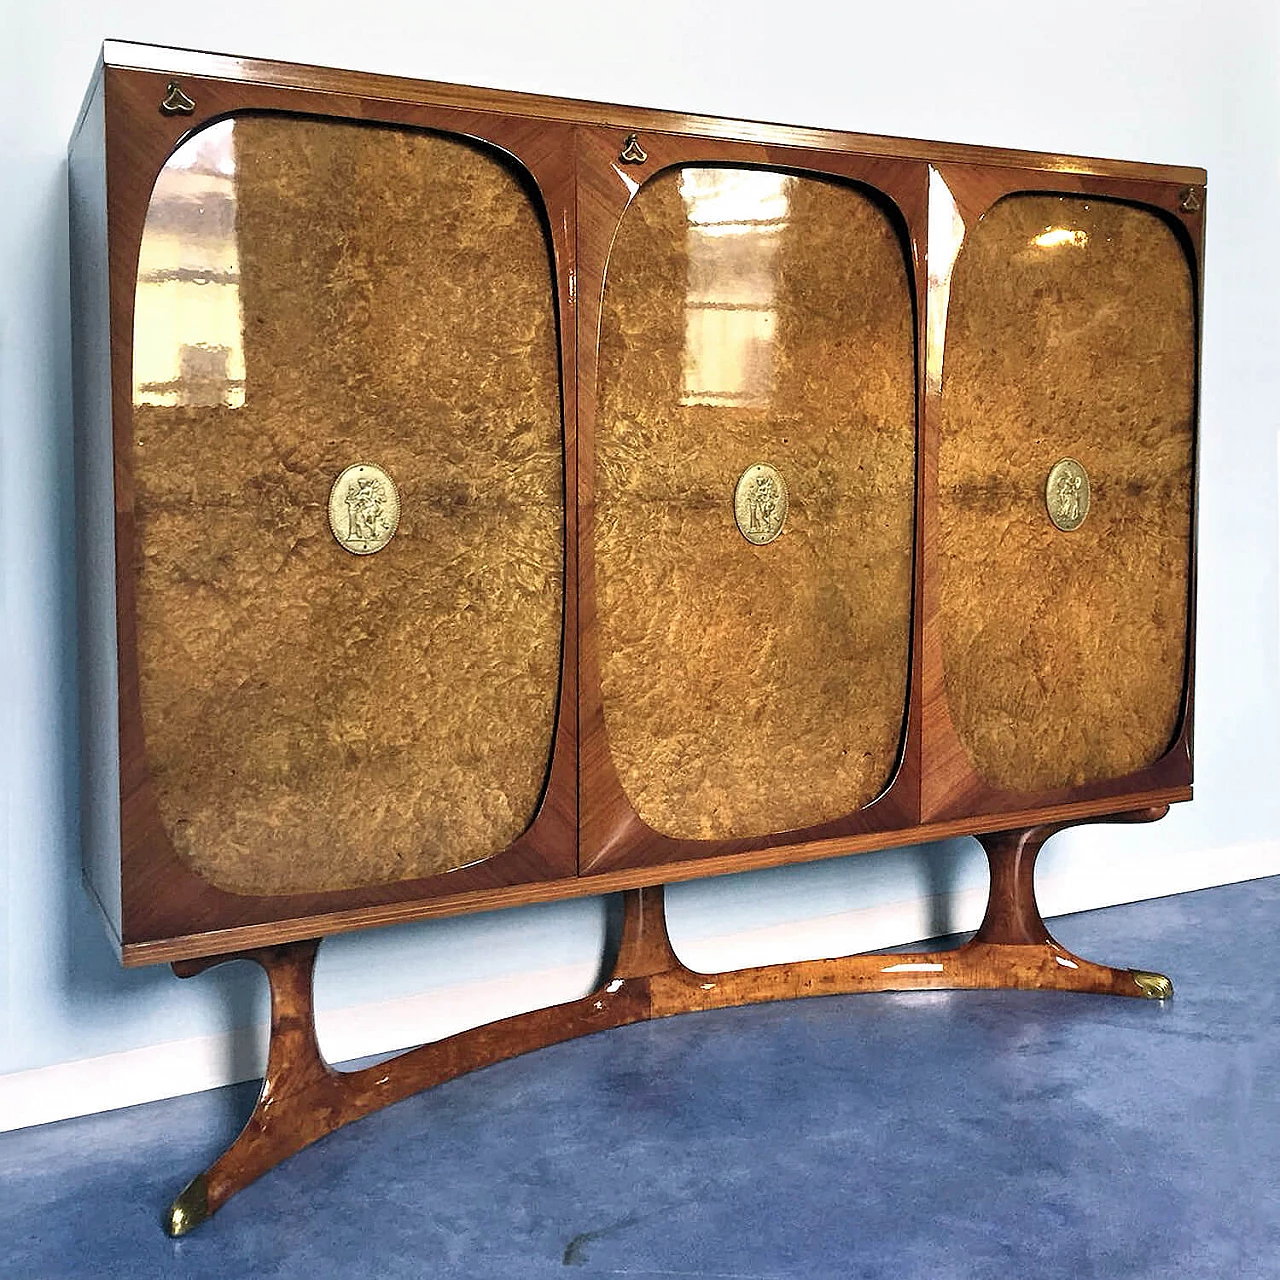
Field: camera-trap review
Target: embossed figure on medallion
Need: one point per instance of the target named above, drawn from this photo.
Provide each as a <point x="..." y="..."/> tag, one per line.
<point x="364" y="509"/>
<point x="760" y="503"/>
<point x="1067" y="495"/>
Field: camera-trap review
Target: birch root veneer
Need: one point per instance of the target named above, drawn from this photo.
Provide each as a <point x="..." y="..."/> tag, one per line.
<point x="486" y="499"/>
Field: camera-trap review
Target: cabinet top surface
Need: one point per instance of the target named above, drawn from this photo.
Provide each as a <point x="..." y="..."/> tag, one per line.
<point x="125" y="55"/>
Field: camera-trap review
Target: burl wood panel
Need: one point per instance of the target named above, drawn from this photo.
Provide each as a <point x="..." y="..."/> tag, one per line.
<point x="1071" y="332"/>
<point x="754" y="316"/>
<point x="314" y="294"/>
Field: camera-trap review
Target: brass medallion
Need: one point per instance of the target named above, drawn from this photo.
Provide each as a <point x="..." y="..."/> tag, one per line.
<point x="364" y="509"/>
<point x="1066" y="494"/>
<point x="760" y="503"/>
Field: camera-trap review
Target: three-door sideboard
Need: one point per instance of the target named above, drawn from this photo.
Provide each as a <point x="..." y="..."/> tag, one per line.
<point x="487" y="498"/>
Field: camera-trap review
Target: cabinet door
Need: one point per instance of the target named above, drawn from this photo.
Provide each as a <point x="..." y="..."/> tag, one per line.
<point x="1064" y="412"/>
<point x="750" y="430"/>
<point x="344" y="524"/>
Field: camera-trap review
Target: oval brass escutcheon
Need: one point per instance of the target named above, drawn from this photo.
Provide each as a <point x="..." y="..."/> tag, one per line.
<point x="364" y="509"/>
<point x="760" y="503"/>
<point x="1066" y="494"/>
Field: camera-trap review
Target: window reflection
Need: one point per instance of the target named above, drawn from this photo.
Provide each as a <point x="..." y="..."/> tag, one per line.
<point x="735" y="221"/>
<point x="188" y="347"/>
<point x="1056" y="237"/>
<point x="946" y="235"/>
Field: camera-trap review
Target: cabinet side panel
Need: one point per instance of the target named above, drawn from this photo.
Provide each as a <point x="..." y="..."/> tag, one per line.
<point x="1070" y="340"/>
<point x="95" y="512"/>
<point x="753" y="686"/>
<point x="321" y="306"/>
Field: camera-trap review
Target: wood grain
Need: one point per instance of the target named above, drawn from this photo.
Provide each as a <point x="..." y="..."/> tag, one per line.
<point x="752" y="689"/>
<point x="951" y="786"/>
<point x="162" y="897"/>
<point x="613" y="834"/>
<point x="585" y="837"/>
<point x="188" y="62"/>
<point x="314" y="719"/>
<point x="1070" y="333"/>
<point x="283" y="929"/>
<point x="303" y="1098"/>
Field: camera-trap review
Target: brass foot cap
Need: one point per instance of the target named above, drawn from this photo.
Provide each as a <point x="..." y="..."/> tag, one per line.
<point x="190" y="1209"/>
<point x="1154" y="986"/>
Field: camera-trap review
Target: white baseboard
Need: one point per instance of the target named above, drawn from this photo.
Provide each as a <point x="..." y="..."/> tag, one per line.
<point x="166" y="1070"/>
<point x="911" y="920"/>
<point x="88" y="1085"/>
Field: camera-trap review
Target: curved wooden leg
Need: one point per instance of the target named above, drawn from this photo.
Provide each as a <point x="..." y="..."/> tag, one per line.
<point x="1013" y="948"/>
<point x="303" y="1098"/>
<point x="1013" y="933"/>
<point x="297" y="1080"/>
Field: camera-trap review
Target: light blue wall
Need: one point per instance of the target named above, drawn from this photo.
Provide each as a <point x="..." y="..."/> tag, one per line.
<point x="1182" y="82"/>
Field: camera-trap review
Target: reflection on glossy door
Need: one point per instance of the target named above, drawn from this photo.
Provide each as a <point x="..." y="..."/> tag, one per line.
<point x="1070" y="337"/>
<point x="313" y="296"/>
<point x="754" y="316"/>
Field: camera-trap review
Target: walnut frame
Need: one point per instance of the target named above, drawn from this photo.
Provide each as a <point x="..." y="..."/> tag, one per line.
<point x="585" y="839"/>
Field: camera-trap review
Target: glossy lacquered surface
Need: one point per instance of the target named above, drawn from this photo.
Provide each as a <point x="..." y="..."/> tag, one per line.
<point x="1005" y="596"/>
<point x="1070" y="334"/>
<point x="160" y="896"/>
<point x="317" y="719"/>
<point x="567" y="672"/>
<point x="303" y="1098"/>
<point x="754" y="316"/>
<point x="168" y="63"/>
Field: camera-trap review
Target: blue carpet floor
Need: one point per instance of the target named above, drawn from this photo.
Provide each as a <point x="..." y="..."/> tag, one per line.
<point x="1019" y="1135"/>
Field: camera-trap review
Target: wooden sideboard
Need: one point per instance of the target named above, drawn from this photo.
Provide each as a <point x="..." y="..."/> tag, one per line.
<point x="486" y="499"/>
